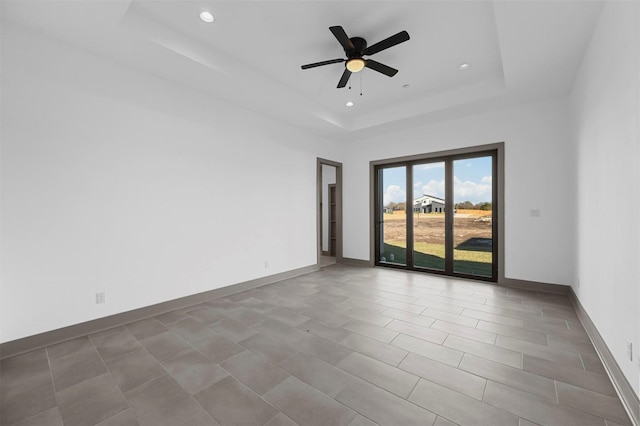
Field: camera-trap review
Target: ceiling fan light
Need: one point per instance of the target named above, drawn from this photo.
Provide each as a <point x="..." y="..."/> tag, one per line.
<point x="356" y="64"/>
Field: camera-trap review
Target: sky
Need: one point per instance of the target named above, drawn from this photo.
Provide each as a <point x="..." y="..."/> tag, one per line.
<point x="472" y="181"/>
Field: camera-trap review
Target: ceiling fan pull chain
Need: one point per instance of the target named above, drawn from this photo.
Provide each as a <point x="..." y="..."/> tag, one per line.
<point x="360" y="84"/>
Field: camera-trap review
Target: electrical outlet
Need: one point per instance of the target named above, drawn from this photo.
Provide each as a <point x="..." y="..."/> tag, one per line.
<point x="630" y="350"/>
<point x="100" y="298"/>
<point x="535" y="213"/>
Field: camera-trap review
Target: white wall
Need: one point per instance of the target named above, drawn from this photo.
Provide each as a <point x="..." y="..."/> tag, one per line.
<point x="538" y="165"/>
<point x="116" y="181"/>
<point x="328" y="177"/>
<point x="606" y="117"/>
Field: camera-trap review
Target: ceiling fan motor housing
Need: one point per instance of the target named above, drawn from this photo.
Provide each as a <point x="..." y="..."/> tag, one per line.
<point x="359" y="46"/>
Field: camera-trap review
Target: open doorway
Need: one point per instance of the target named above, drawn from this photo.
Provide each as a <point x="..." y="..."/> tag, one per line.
<point x="329" y="212"/>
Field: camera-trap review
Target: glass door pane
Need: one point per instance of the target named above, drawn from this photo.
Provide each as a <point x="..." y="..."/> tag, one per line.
<point x="473" y="216"/>
<point x="428" y="216"/>
<point x="392" y="183"/>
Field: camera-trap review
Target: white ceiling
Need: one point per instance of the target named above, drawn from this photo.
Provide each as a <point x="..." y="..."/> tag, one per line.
<point x="251" y="55"/>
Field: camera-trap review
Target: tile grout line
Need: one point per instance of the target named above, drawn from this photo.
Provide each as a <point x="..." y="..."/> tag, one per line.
<point x="53" y="384"/>
<point x="484" y="390"/>
<point x="403" y="358"/>
<point x="114" y="380"/>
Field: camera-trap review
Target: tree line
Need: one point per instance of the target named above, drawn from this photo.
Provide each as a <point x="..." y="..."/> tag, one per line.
<point x="395" y="206"/>
<point x="468" y="205"/>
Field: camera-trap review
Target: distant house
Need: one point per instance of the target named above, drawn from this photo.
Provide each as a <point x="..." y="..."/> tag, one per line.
<point x="428" y="204"/>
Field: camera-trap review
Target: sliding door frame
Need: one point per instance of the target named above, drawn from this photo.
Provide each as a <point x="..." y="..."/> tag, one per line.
<point x="496" y="150"/>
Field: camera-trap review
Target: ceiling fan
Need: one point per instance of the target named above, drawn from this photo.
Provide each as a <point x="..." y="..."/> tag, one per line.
<point x="355" y="48"/>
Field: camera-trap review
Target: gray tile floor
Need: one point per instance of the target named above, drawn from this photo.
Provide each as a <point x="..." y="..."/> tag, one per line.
<point x="327" y="261"/>
<point x="342" y="346"/>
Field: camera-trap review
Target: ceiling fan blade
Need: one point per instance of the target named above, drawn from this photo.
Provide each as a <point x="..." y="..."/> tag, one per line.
<point x="388" y="42"/>
<point x="319" y="64"/>
<point x="342" y="37"/>
<point x="345" y="77"/>
<point x="382" y="68"/>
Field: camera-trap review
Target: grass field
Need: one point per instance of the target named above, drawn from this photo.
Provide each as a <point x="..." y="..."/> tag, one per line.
<point x="472" y="241"/>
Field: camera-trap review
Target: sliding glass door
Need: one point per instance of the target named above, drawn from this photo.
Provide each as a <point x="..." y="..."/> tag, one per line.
<point x="438" y="215"/>
<point x="392" y="224"/>
<point x="473" y="216"/>
<point x="428" y="215"/>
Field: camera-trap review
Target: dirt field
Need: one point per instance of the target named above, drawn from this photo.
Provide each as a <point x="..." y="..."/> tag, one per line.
<point x="429" y="227"/>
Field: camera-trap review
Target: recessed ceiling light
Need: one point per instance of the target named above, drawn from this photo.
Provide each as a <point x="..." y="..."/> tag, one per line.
<point x="464" y="66"/>
<point x="206" y="17"/>
<point x="349" y="104"/>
